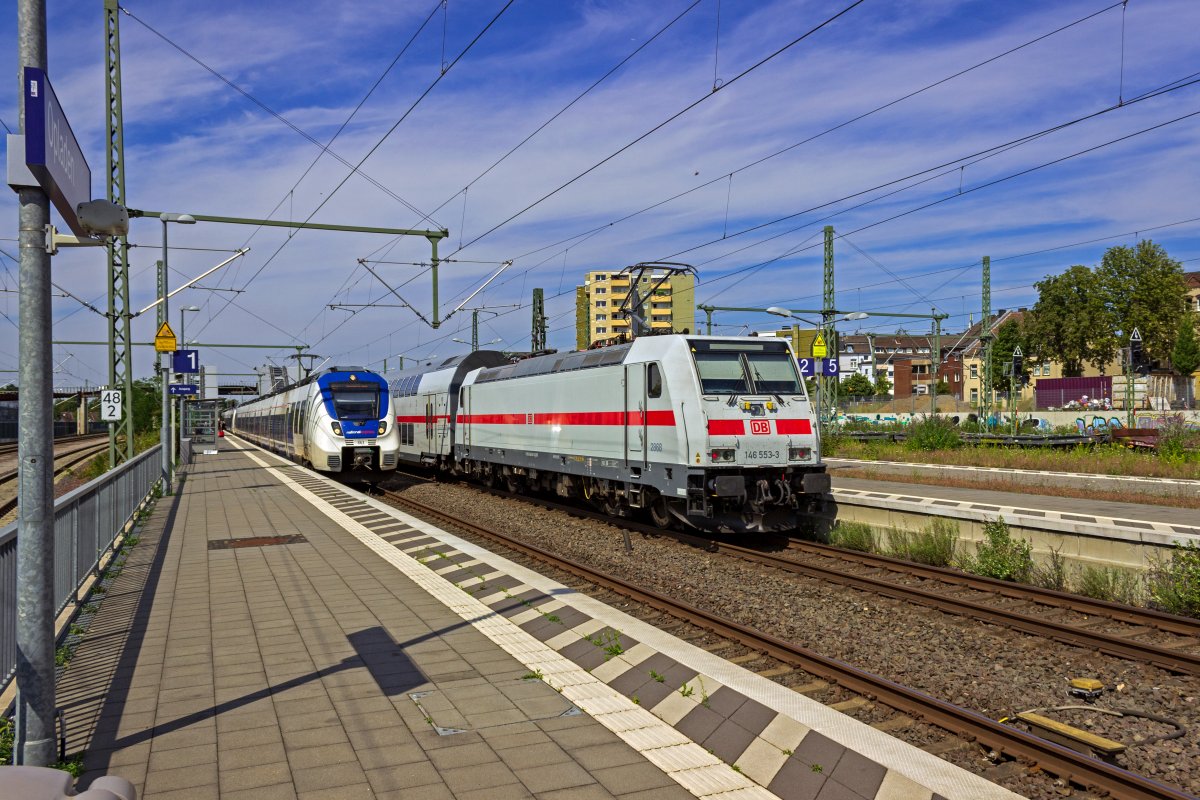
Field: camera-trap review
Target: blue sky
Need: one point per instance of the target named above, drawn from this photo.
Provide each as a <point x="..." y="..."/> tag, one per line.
<point x="193" y="144"/>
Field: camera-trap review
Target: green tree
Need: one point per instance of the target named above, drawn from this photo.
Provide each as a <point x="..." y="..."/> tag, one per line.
<point x="943" y="387"/>
<point x="1185" y="356"/>
<point x="146" y="405"/>
<point x="858" y="385"/>
<point x="1144" y="289"/>
<point x="883" y="386"/>
<point x="1065" y="322"/>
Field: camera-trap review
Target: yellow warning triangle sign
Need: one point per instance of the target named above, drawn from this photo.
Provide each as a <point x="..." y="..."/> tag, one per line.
<point x="819" y="348"/>
<point x="164" y="340"/>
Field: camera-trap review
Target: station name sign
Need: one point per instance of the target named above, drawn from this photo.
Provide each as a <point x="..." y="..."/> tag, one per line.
<point x="51" y="151"/>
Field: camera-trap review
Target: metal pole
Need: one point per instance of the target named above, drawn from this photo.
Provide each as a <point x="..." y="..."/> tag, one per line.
<point x="35" y="461"/>
<point x="935" y="358"/>
<point x="1129" y="388"/>
<point x="474" y="330"/>
<point x="434" y="270"/>
<point x="165" y="432"/>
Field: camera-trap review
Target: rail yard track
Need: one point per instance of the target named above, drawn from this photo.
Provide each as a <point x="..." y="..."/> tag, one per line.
<point x="75" y="451"/>
<point x="1003" y="739"/>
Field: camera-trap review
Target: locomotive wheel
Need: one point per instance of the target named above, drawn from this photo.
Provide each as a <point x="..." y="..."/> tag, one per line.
<point x="660" y="515"/>
<point x="513" y="483"/>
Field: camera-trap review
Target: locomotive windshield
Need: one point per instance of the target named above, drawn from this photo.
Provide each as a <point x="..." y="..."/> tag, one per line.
<point x="355" y="400"/>
<point x="745" y="368"/>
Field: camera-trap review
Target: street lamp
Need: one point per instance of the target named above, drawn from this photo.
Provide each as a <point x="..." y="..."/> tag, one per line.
<point x="165" y="433"/>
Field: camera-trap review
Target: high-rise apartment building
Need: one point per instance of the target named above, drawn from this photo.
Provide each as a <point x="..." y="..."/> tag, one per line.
<point x="671" y="306"/>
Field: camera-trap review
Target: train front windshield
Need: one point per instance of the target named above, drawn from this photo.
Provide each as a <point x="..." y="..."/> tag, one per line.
<point x="745" y="368"/>
<point x="355" y="401"/>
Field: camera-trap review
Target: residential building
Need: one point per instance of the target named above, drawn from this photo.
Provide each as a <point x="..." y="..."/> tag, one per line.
<point x="670" y="306"/>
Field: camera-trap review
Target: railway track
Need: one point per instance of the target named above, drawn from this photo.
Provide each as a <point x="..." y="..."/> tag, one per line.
<point x="1023" y="608"/>
<point x="62" y="462"/>
<point x="9" y="448"/>
<point x="973" y="727"/>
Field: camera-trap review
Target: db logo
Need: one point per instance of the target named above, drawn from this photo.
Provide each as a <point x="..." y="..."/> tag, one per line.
<point x="760" y="426"/>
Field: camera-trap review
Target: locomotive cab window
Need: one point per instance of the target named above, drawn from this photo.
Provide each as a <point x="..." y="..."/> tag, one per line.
<point x="355" y="401"/>
<point x="746" y="368"/>
<point x="653" y="380"/>
<point x="774" y="373"/>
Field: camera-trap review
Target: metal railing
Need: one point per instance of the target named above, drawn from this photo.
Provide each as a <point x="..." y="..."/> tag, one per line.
<point x="87" y="521"/>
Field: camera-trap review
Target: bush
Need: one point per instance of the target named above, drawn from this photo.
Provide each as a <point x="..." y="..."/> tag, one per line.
<point x="1110" y="583"/>
<point x="1177" y="442"/>
<point x="1175" y="584"/>
<point x="933" y="433"/>
<point x="934" y="545"/>
<point x="853" y="536"/>
<point x="998" y="556"/>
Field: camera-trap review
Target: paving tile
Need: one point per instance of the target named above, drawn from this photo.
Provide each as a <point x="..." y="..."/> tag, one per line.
<point x="548" y="777"/>
<point x="403" y="776"/>
<point x="465" y="755"/>
<point x="278" y="791"/>
<point x="462" y="779"/>
<point x="165" y="780"/>
<point x="858" y="773"/>
<point x="592" y="791"/>
<point x="266" y="753"/>
<point x="728" y="741"/>
<point x="700" y="723"/>
<point x="632" y="778"/>
<point x="602" y="756"/>
<point x="358" y="791"/>
<point x="337" y="753"/>
<point x="327" y="776"/>
<point x="183" y="757"/>
<point x="797" y="781"/>
<point x="818" y="750"/>
<point x="389" y="755"/>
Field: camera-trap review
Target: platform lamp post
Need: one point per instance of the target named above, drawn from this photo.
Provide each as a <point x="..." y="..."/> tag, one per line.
<point x="182" y="346"/>
<point x="164" y="368"/>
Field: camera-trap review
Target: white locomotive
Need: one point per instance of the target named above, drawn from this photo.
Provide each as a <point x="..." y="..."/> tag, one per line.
<point x="337" y="421"/>
<point x="716" y="432"/>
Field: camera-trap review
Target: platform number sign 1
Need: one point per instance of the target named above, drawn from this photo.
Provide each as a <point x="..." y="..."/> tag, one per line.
<point x="111" y="402"/>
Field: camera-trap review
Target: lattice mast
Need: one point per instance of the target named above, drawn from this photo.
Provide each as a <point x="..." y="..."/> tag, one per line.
<point x="120" y="371"/>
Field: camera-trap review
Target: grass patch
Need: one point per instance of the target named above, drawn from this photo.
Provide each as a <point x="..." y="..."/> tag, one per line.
<point x="1110" y="583"/>
<point x="853" y="536"/>
<point x="1053" y="573"/>
<point x="933" y="545"/>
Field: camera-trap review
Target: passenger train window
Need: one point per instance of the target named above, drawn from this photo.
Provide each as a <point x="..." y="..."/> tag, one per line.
<point x="653" y="380"/>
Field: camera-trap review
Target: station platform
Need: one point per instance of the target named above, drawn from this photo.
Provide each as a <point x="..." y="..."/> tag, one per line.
<point x="274" y="634"/>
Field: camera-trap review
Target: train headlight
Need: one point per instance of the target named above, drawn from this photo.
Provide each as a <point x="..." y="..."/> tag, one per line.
<point x="337" y="428"/>
<point x="382" y="427"/>
<point x="799" y="453"/>
<point x="722" y="455"/>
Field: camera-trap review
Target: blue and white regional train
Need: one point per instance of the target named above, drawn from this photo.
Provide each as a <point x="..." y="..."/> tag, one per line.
<point x="339" y="420"/>
<point x="716" y="432"/>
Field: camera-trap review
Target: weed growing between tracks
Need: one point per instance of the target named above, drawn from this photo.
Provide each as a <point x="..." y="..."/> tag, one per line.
<point x="1175" y="582"/>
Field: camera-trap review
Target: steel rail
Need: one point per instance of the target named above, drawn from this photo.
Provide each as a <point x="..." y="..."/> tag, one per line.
<point x="1056" y="759"/>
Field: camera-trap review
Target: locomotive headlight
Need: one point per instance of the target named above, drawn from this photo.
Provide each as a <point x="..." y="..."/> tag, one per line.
<point x="337" y="428"/>
<point x="799" y="453"/>
<point x="722" y="455"/>
<point x="382" y="427"/>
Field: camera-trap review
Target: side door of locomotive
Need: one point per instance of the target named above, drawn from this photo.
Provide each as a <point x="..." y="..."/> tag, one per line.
<point x="429" y="442"/>
<point x="635" y="413"/>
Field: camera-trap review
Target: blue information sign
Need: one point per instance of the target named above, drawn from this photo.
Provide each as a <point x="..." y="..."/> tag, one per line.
<point x="184" y="389"/>
<point x="51" y="152"/>
<point x="186" y="362"/>
<point x="811" y="366"/>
